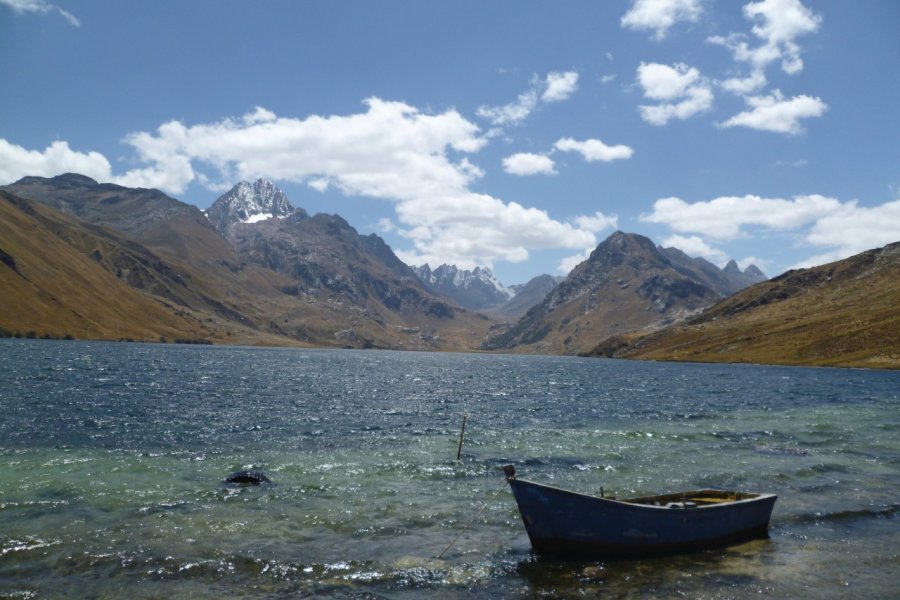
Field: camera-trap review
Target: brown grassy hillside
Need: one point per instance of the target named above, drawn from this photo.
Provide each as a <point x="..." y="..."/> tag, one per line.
<point x="846" y="313"/>
<point x="50" y="287"/>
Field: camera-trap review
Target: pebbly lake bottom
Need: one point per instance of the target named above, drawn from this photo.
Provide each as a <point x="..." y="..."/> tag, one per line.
<point x="112" y="460"/>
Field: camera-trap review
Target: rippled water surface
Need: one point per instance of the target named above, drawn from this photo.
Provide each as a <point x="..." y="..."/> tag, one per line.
<point x="112" y="460"/>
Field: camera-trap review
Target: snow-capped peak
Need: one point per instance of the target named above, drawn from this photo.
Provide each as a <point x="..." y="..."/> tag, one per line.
<point x="249" y="203"/>
<point x="476" y="289"/>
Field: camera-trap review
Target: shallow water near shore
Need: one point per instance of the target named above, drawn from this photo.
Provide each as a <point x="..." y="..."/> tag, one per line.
<point x="113" y="456"/>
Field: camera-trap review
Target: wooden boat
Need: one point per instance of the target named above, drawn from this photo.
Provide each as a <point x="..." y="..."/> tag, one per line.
<point x="568" y="523"/>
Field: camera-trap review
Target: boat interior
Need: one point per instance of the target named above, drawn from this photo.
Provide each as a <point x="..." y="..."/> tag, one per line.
<point x="691" y="499"/>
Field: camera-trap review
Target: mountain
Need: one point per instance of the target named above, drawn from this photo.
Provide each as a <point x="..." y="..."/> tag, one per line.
<point x="626" y="284"/>
<point x="250" y="203"/>
<point x="476" y="289"/>
<point x="726" y="281"/>
<point x="331" y="265"/>
<point x="527" y="295"/>
<point x="315" y="281"/>
<point x="846" y="313"/>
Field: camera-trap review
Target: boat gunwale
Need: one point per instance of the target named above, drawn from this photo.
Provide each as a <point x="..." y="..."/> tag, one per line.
<point x="630" y="503"/>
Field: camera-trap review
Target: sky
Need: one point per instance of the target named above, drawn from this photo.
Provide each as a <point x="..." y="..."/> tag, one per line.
<point x="515" y="135"/>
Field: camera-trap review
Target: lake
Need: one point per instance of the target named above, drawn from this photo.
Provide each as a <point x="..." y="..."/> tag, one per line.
<point x="113" y="456"/>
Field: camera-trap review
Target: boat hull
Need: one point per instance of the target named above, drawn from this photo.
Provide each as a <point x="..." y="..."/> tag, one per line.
<point x="568" y="523"/>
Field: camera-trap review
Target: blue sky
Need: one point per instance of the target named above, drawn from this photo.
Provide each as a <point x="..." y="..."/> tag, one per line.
<point x="510" y="134"/>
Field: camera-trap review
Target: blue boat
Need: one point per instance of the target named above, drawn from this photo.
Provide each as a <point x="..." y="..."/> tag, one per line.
<point x="568" y="523"/>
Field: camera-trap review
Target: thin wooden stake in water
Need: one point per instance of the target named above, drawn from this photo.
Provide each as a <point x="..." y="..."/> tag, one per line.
<point x="462" y="434"/>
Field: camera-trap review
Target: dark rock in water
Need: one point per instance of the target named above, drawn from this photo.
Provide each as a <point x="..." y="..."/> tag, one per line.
<point x="248" y="477"/>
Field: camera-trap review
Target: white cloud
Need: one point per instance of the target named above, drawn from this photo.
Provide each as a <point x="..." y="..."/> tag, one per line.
<point x="660" y="15"/>
<point x="525" y="163"/>
<point x="853" y="229"/>
<point x="476" y="229"/>
<point x="845" y="228"/>
<point x="743" y="86"/>
<point x="17" y="162"/>
<point x="723" y="218"/>
<point x="696" y="246"/>
<point x="777" y="114"/>
<point x="681" y="90"/>
<point x="597" y="222"/>
<point x="319" y="184"/>
<point x="559" y="86"/>
<point x="778" y="23"/>
<point x="40" y="7"/>
<point x="607" y="79"/>
<point x="594" y="150"/>
<point x="390" y="151"/>
<point x="385" y="225"/>
<point x="554" y="88"/>
<point x="512" y="113"/>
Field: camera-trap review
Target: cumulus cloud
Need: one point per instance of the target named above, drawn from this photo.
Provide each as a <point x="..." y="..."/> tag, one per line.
<point x="696" y="246"/>
<point x="777" y="114"/>
<point x="40" y="7"/>
<point x="17" y="162"/>
<point x="476" y="229"/>
<point x="777" y="24"/>
<point x="853" y="229"/>
<point x="681" y="91"/>
<point x="512" y="113"/>
<point x="597" y="222"/>
<point x="660" y="15"/>
<point x="525" y="163"/>
<point x="594" y="150"/>
<point x="391" y="150"/>
<point x="743" y="86"/>
<point x="724" y="218"/>
<point x="554" y="88"/>
<point x="559" y="86"/>
<point x="844" y="228"/>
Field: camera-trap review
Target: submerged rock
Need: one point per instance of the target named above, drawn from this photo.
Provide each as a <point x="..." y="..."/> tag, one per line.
<point x="248" y="477"/>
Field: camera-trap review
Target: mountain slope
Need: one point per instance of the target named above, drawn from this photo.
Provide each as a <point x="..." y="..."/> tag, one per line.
<point x="846" y="313"/>
<point x="627" y="283"/>
<point x="52" y="287"/>
<point x="726" y="281"/>
<point x="526" y="296"/>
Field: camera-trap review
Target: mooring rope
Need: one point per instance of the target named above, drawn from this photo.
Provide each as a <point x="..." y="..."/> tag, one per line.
<point x="472" y="520"/>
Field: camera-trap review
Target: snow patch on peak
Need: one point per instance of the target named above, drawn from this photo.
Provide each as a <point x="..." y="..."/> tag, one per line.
<point x="258" y="217"/>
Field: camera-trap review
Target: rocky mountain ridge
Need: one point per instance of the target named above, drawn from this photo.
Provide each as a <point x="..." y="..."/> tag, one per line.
<point x="626" y="284"/>
<point x="474" y="289"/>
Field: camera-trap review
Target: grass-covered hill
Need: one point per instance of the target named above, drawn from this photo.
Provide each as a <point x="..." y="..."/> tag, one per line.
<point x="846" y="313"/>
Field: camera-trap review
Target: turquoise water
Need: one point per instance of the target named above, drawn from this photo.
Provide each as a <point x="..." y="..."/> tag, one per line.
<point x="112" y="460"/>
